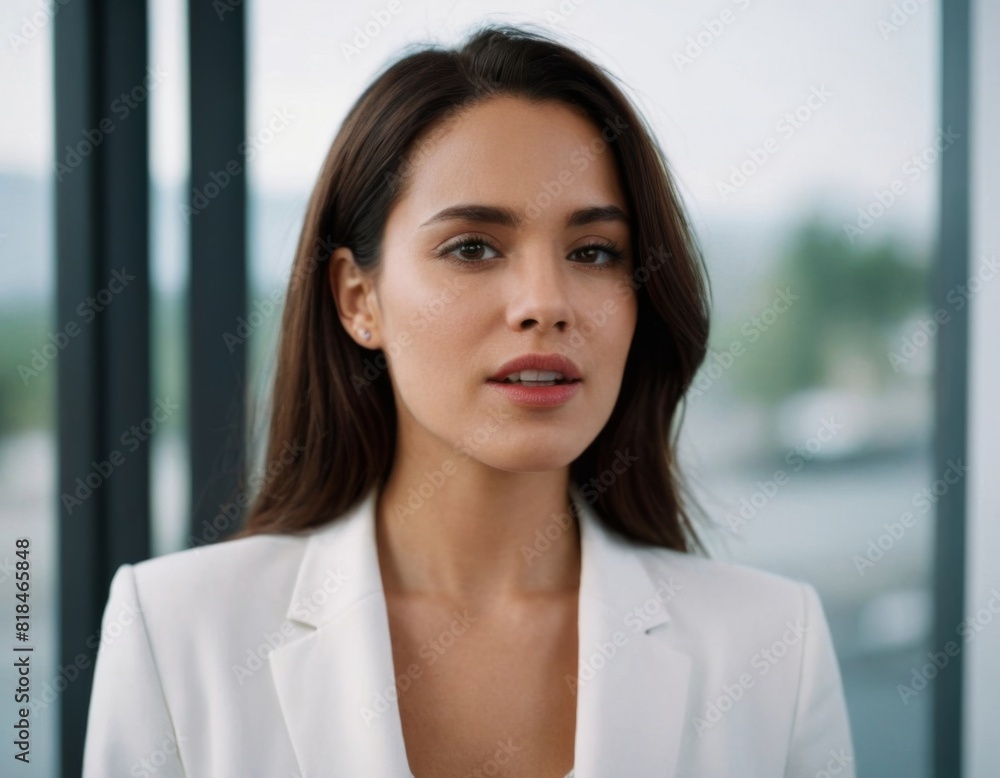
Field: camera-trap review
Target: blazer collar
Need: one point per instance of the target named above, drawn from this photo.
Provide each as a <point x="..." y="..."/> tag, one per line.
<point x="335" y="681"/>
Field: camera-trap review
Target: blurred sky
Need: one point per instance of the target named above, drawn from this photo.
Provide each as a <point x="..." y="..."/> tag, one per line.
<point x="707" y="114"/>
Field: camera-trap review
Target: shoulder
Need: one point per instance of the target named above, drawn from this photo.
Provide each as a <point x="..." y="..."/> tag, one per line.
<point x="227" y="564"/>
<point x="230" y="582"/>
<point x="220" y="560"/>
<point x="718" y="577"/>
<point x="711" y="596"/>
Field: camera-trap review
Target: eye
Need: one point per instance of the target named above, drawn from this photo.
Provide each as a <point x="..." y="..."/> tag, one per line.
<point x="616" y="256"/>
<point x="467" y="250"/>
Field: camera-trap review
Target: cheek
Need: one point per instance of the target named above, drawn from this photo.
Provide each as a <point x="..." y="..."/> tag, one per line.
<point x="437" y="332"/>
<point x="425" y="300"/>
<point x="628" y="319"/>
<point x="607" y="324"/>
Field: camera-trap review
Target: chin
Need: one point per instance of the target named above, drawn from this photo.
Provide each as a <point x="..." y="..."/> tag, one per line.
<point x="530" y="458"/>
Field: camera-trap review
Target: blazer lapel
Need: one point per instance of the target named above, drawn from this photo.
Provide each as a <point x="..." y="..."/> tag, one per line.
<point x="335" y="681"/>
<point x="633" y="682"/>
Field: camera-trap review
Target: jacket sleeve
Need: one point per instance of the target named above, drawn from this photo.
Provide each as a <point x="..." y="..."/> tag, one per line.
<point x="129" y="730"/>
<point x="821" y="733"/>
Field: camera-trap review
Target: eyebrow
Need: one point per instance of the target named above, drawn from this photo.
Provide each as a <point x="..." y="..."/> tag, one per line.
<point x="505" y="217"/>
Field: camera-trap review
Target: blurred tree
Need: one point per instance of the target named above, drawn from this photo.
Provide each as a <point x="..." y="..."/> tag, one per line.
<point x="27" y="379"/>
<point x="849" y="299"/>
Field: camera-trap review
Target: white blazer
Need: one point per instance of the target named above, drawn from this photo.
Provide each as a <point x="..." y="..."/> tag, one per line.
<point x="270" y="656"/>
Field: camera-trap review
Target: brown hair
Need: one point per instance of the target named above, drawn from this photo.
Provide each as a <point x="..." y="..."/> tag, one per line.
<point x="346" y="437"/>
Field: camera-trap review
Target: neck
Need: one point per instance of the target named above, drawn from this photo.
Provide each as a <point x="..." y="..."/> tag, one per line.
<point x="481" y="535"/>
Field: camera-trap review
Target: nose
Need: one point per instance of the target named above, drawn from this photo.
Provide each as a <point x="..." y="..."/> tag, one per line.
<point x="539" y="294"/>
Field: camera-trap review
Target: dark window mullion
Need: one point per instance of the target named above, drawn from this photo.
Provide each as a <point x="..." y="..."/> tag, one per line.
<point x="951" y="384"/>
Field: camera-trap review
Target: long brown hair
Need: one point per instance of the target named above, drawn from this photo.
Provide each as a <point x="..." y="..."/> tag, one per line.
<point x="332" y="403"/>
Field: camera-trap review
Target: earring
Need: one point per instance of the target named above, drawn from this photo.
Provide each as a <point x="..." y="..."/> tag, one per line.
<point x="365" y="334"/>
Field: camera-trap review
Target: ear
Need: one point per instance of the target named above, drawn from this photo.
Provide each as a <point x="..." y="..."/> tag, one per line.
<point x="354" y="293"/>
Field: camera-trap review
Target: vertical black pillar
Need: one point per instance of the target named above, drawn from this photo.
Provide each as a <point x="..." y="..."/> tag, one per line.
<point x="951" y="383"/>
<point x="216" y="214"/>
<point x="101" y="191"/>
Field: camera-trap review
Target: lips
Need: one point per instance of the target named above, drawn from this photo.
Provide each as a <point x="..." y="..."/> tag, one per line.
<point x="546" y="363"/>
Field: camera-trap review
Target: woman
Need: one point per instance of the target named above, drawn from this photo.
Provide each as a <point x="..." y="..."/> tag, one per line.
<point x="470" y="554"/>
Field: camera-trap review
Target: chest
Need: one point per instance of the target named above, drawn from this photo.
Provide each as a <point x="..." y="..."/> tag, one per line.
<point x="486" y="691"/>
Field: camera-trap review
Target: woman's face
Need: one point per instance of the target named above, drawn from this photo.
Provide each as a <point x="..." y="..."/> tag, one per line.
<point x="460" y="295"/>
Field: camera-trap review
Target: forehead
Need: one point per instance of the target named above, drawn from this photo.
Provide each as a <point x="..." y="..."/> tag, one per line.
<point x="516" y="153"/>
